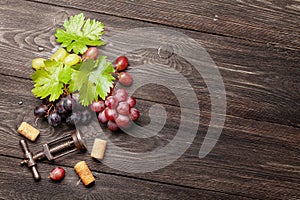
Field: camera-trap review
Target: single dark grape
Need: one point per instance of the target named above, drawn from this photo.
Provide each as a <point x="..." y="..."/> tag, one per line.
<point x="111" y="102"/>
<point x="134" y="114"/>
<point x="64" y="116"/>
<point x="125" y="79"/>
<point x="123" y="121"/>
<point x="41" y="110"/>
<point x="75" y="97"/>
<point x="75" y="101"/>
<point x="131" y="101"/>
<point x="86" y="117"/>
<point x="101" y="117"/>
<point x="68" y="103"/>
<point x="60" y="107"/>
<point x="123" y="108"/>
<point x="97" y="106"/>
<point x="54" y="119"/>
<point x="112" y="126"/>
<point x="74" y="118"/>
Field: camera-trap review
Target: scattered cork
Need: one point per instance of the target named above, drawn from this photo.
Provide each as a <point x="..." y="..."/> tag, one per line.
<point x="84" y="173"/>
<point x="28" y="131"/>
<point x="98" y="149"/>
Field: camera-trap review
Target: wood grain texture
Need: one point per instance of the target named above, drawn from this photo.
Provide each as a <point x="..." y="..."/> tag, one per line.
<point x="257" y="155"/>
<point x="262" y="76"/>
<point x="17" y="183"/>
<point x="251" y="159"/>
<point x="268" y="21"/>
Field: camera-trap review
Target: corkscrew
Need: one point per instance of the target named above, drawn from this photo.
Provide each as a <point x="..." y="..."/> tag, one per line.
<point x="52" y="150"/>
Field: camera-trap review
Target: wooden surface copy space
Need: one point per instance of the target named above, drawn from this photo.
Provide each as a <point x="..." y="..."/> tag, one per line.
<point x="254" y="43"/>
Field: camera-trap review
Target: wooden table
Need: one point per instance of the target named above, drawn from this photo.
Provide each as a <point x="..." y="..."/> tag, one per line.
<point x="256" y="46"/>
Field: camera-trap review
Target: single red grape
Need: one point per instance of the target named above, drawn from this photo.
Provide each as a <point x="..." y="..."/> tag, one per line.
<point x="134" y="114"/>
<point x="57" y="174"/>
<point x="112" y="126"/>
<point x="91" y="53"/>
<point x="131" y="101"/>
<point x="97" y="106"/>
<point x="123" y="121"/>
<point x="110" y="114"/>
<point x="102" y="117"/>
<point x="121" y="94"/>
<point x="123" y="108"/>
<point x="121" y="63"/>
<point x="125" y="79"/>
<point x="111" y="102"/>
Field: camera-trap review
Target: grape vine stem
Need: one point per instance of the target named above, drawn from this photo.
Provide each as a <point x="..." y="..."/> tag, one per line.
<point x="66" y="91"/>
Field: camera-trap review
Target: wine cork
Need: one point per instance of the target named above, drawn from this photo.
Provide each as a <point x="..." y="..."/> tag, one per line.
<point x="84" y="173"/>
<point x="28" y="131"/>
<point x="98" y="148"/>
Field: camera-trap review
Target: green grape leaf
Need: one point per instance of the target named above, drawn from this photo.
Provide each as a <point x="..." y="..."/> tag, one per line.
<point x="93" y="79"/>
<point x="50" y="80"/>
<point x="80" y="33"/>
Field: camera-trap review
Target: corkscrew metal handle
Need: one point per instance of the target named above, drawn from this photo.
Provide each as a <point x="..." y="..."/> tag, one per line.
<point x="29" y="160"/>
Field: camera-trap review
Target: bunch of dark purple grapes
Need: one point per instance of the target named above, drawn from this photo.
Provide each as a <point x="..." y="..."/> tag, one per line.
<point x="117" y="111"/>
<point x="66" y="109"/>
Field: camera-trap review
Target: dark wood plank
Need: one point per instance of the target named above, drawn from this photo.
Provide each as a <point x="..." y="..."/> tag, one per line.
<point x="259" y="90"/>
<point x="269" y="21"/>
<point x="252" y="158"/>
<point x="260" y="80"/>
<point x="19" y="184"/>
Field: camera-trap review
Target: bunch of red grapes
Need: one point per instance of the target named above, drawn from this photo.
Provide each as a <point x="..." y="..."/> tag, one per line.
<point x="117" y="110"/>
